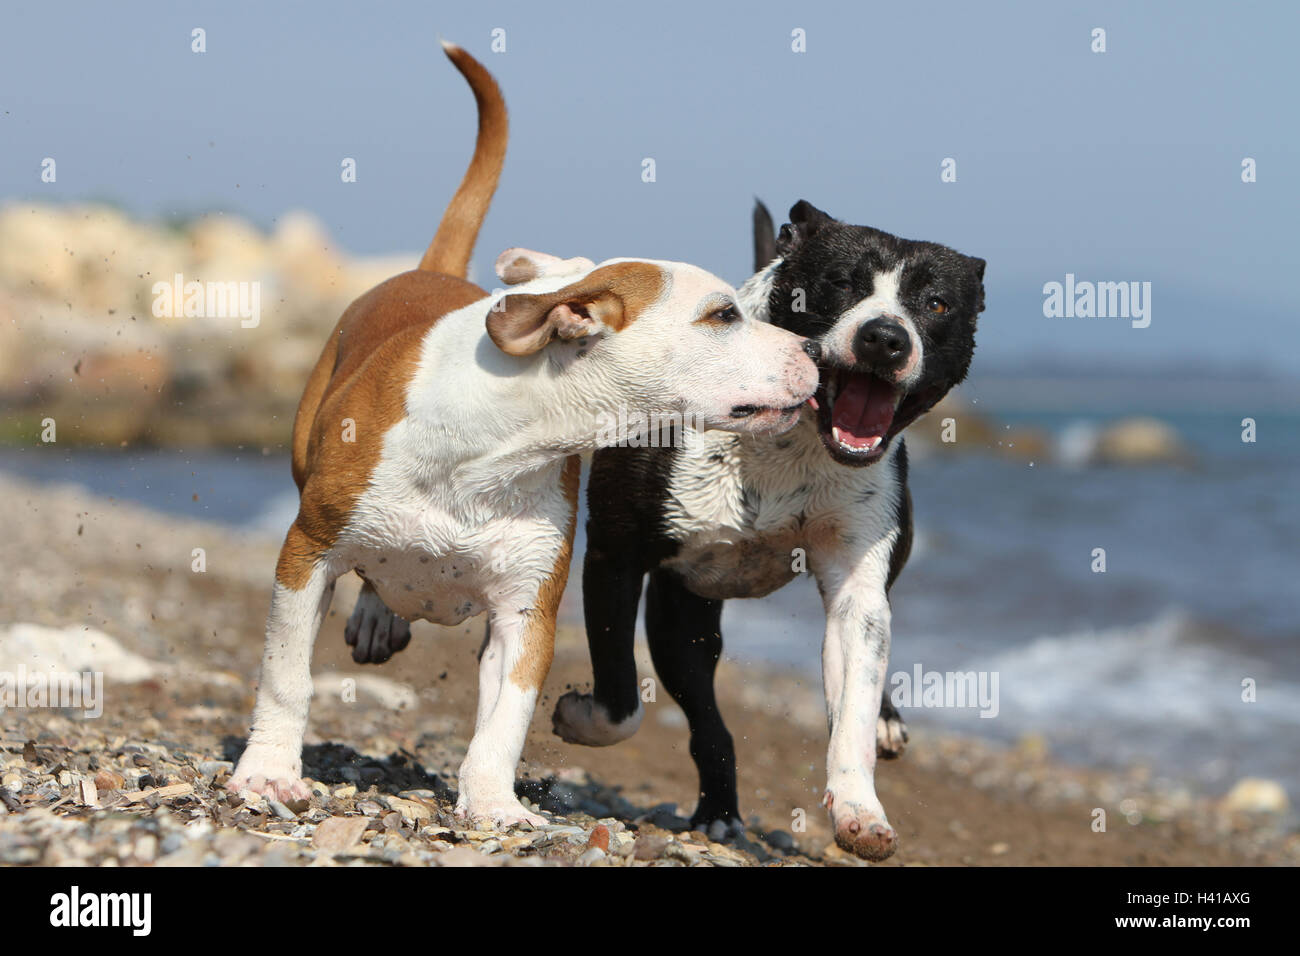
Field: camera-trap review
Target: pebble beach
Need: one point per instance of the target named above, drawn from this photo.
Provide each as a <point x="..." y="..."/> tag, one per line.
<point x="103" y="585"/>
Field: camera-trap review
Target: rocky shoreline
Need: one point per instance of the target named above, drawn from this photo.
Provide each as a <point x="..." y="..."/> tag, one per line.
<point x="89" y="342"/>
<point x="97" y="584"/>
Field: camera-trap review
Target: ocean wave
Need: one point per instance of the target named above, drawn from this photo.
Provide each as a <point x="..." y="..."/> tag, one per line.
<point x="1174" y="692"/>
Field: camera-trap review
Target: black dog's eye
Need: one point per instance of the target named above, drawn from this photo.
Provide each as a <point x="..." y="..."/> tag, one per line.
<point x="937" y="305"/>
<point x="840" y="281"/>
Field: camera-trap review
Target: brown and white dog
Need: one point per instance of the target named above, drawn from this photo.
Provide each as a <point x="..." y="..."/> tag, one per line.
<point x="435" y="452"/>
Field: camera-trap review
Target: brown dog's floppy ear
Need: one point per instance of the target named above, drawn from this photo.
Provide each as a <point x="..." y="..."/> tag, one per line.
<point x="522" y="324"/>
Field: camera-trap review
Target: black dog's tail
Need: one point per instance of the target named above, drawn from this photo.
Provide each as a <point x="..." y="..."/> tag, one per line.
<point x="764" y="236"/>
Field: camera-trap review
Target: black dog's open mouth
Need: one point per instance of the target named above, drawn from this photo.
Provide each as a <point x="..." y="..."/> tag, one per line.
<point x="858" y="413"/>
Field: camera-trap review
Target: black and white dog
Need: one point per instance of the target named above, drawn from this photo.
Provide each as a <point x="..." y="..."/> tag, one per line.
<point x="721" y="515"/>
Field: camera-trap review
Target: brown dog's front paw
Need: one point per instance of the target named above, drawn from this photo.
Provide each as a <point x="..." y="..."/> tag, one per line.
<point x="271" y="773"/>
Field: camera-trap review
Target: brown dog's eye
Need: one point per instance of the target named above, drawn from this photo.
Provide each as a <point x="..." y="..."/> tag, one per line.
<point x="937" y="306"/>
<point x="726" y="315"/>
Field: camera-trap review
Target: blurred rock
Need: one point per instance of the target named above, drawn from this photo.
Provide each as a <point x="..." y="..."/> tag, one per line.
<point x="1256" y="795"/>
<point x="1140" y="441"/>
<point x="80" y="343"/>
<point x="70" y="650"/>
<point x="955" y="426"/>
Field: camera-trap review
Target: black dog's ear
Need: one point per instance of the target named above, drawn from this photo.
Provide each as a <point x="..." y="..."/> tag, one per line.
<point x="764" y="236"/>
<point x="978" y="266"/>
<point x="805" y="220"/>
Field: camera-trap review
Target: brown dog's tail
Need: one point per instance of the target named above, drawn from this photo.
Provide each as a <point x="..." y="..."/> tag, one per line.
<point x="454" y="241"/>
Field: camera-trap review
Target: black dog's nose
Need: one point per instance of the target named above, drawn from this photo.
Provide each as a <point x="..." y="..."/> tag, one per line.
<point x="882" y="343"/>
<point x="813" y="348"/>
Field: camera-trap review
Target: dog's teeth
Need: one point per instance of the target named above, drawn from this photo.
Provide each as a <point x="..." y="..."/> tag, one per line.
<point x="872" y="443"/>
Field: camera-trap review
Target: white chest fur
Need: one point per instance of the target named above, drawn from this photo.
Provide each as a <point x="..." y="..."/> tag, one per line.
<point x="751" y="514"/>
<point x="445" y="528"/>
<point x="436" y="555"/>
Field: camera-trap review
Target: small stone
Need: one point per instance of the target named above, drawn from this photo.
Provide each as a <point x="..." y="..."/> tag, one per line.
<point x="649" y="847"/>
<point x="109" y="780"/>
<point x="599" y="839"/>
<point x="146" y="848"/>
<point x="171" y="843"/>
<point x="418" y="795"/>
<point x="590" y="856"/>
<point x="410" y="809"/>
<point x="12" y="782"/>
<point x="780" y="840"/>
<point x="338" y="834"/>
<point x="345" y="792"/>
<point x="281" y="811"/>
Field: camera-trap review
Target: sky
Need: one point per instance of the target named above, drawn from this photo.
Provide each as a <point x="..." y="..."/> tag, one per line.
<point x="1117" y="166"/>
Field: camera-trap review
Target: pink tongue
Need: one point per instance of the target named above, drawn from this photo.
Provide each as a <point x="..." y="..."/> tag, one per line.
<point x="863" y="410"/>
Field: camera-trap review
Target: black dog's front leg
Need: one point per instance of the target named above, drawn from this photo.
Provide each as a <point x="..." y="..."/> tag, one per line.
<point x="685" y="635"/>
<point x="611" y="594"/>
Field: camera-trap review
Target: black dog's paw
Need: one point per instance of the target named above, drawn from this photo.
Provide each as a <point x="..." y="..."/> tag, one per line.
<point x="891" y="732"/>
<point x="374" y="632"/>
<point x="719" y="823"/>
<point x="581" y="719"/>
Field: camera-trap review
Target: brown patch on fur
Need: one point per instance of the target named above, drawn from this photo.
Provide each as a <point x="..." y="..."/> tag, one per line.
<point x="519" y="270"/>
<point x="298" y="558"/>
<point x="362" y="375"/>
<point x="537" y="645"/>
<point x="454" y="241"/>
<point x="614" y="295"/>
<point x="363" y="371"/>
